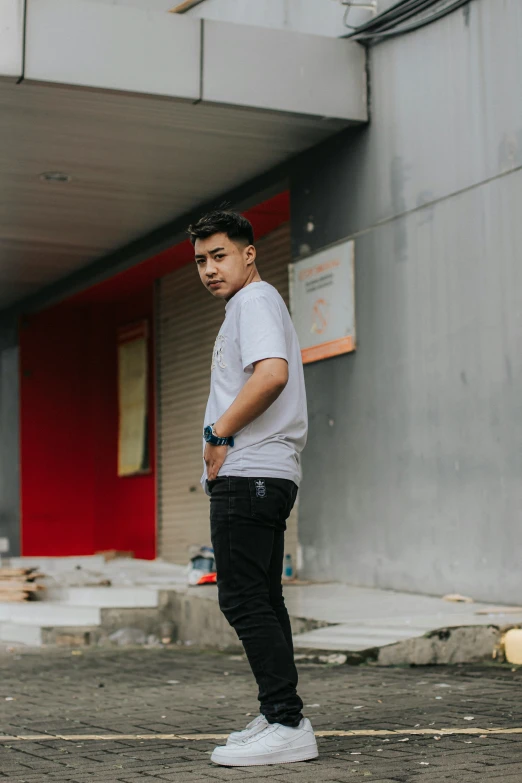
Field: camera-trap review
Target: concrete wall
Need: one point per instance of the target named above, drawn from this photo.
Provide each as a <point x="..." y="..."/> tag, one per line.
<point x="322" y="17"/>
<point x="9" y="444"/>
<point x="11" y="38"/>
<point x="181" y="57"/>
<point x="417" y="486"/>
<point x="305" y="16"/>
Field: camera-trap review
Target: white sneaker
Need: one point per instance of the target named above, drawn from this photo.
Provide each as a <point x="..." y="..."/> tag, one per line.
<point x="275" y="744"/>
<point x="254" y="727"/>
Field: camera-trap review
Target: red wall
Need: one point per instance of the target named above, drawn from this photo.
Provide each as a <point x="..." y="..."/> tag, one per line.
<point x="73" y="502"/>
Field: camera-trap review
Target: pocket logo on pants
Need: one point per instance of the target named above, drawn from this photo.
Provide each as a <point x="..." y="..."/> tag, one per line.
<point x="260" y="488"/>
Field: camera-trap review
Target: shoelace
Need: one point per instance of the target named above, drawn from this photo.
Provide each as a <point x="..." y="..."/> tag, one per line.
<point x="253" y="723"/>
<point x="257" y="731"/>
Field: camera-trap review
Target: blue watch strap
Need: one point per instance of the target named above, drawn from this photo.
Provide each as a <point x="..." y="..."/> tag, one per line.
<point x="214" y="440"/>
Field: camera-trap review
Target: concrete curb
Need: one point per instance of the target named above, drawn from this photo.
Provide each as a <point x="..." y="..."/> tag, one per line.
<point x="187" y="618"/>
<point x="445" y="646"/>
<point x="181" y="617"/>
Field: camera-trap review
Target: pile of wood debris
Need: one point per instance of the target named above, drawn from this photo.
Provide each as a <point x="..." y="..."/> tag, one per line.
<point x="19" y="584"/>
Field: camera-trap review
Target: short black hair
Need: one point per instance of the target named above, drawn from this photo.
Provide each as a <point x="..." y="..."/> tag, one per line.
<point x="222" y="221"/>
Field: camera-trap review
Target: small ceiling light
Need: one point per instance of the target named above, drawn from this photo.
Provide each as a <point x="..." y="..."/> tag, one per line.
<point x="55" y="176"/>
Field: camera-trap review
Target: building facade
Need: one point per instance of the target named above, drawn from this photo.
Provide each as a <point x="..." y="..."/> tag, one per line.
<point x="412" y="475"/>
<point x="418" y="485"/>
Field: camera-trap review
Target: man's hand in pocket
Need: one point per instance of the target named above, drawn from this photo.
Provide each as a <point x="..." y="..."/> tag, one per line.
<point x="214" y="458"/>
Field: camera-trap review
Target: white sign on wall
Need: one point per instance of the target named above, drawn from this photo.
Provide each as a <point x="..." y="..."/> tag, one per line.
<point x="322" y="302"/>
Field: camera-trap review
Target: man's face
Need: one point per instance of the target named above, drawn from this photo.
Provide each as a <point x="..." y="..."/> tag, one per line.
<point x="224" y="267"/>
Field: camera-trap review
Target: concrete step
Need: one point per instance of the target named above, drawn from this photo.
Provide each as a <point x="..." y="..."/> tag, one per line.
<point x="66" y="611"/>
<point x="361" y="625"/>
<point x="354" y="638"/>
<point x="104" y="597"/>
<point x="16" y="633"/>
<point x="57" y="564"/>
<point x="49" y="613"/>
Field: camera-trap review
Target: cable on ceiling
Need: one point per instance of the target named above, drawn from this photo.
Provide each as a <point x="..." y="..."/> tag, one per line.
<point x="391" y="23"/>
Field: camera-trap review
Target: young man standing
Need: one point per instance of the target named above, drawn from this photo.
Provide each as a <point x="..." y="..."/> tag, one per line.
<point x="255" y="429"/>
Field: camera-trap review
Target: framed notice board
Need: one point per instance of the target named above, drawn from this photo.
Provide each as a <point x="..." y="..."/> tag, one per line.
<point x="322" y="302"/>
<point x="133" y="380"/>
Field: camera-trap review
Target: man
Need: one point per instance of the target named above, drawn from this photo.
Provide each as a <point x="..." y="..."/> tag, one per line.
<point x="255" y="430"/>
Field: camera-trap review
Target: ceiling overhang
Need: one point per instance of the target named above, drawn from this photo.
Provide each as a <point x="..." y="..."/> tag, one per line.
<point x="150" y="115"/>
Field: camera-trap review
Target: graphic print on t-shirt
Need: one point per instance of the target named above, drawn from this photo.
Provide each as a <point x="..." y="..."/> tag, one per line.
<point x="218" y="358"/>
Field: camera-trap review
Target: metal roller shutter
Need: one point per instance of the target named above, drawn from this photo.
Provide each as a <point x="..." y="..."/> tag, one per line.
<point x="188" y="322"/>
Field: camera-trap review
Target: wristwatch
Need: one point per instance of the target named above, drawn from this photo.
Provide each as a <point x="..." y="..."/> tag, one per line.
<point x="209" y="435"/>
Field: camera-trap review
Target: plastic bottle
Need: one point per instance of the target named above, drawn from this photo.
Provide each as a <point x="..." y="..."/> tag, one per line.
<point x="288" y="570"/>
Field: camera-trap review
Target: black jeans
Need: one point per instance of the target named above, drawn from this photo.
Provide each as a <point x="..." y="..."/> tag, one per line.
<point x="248" y="522"/>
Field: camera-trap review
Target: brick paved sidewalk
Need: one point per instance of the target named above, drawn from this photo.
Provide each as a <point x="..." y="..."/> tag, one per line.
<point x="172" y="691"/>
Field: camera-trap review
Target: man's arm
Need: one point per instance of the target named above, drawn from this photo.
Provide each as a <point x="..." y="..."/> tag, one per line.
<point x="262" y="389"/>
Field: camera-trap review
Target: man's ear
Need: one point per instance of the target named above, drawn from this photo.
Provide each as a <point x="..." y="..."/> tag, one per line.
<point x="250" y="254"/>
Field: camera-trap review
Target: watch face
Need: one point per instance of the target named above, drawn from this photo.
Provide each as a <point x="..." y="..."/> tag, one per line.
<point x="207" y="433"/>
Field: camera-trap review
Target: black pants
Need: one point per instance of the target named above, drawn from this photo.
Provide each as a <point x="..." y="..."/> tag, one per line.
<point x="248" y="522"/>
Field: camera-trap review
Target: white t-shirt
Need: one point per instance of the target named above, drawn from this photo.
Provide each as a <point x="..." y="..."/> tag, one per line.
<point x="258" y="326"/>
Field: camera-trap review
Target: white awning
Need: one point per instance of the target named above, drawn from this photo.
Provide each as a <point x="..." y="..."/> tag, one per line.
<point x="148" y="114"/>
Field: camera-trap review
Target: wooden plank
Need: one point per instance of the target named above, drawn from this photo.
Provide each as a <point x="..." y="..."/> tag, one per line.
<point x="16" y="571"/>
<point x="12" y="597"/>
<point x="182" y="8"/>
<point x="14" y="586"/>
